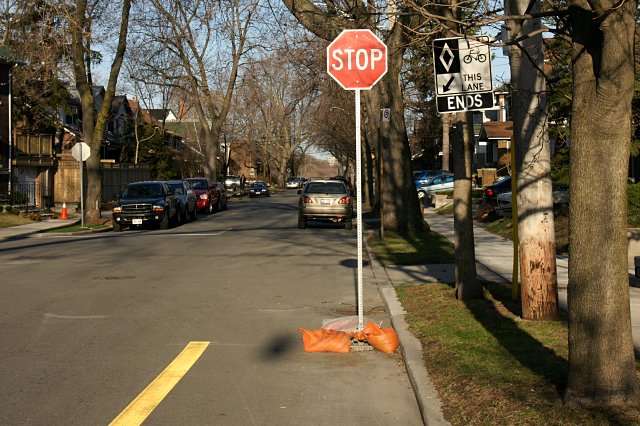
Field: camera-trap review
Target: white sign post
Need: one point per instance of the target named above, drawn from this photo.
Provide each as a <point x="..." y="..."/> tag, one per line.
<point x="81" y="152"/>
<point x="357" y="59"/>
<point x="463" y="74"/>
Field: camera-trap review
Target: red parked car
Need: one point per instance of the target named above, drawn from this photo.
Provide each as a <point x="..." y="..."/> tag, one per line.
<point x="208" y="194"/>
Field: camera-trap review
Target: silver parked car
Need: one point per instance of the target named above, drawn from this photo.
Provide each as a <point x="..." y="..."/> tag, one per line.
<point x="325" y="200"/>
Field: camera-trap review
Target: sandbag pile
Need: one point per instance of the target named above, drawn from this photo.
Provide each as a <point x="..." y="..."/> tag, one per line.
<point x="330" y="340"/>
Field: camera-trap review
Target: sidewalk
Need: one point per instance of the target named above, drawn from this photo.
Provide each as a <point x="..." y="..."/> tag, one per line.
<point x="25" y="231"/>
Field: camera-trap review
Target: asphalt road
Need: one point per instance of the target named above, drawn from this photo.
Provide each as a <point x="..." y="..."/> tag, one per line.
<point x="87" y="323"/>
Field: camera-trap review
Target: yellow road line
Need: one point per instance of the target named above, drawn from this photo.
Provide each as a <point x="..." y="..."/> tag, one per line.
<point x="159" y="388"/>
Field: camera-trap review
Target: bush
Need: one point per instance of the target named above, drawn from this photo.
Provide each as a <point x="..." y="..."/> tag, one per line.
<point x="15" y="210"/>
<point x="18" y="198"/>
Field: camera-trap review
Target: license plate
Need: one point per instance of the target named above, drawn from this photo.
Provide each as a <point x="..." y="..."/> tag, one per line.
<point x="136" y="222"/>
<point x="325" y="202"/>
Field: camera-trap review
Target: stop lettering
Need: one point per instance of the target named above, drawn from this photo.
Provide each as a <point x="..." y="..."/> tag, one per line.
<point x="357" y="59"/>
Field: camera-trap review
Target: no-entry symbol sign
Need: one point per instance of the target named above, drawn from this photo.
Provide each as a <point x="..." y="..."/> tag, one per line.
<point x="357" y="59"/>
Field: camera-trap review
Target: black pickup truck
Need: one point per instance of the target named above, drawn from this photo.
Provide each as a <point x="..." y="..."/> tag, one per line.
<point x="146" y="203"/>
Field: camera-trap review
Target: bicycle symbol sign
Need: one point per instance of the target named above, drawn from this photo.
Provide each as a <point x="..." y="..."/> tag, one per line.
<point x="462" y="70"/>
<point x="474" y="54"/>
<point x="461" y="66"/>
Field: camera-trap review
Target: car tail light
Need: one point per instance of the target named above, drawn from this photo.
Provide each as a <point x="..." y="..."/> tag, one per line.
<point x="306" y="200"/>
<point x="344" y="200"/>
<point x="489" y="192"/>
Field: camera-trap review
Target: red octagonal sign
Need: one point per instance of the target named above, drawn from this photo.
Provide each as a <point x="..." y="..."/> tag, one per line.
<point x="357" y="59"/>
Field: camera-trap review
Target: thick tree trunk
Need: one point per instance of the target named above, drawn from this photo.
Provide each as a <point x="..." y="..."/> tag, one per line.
<point x="401" y="206"/>
<point x="601" y="357"/>
<point x="537" y="244"/>
<point x="93" y="126"/>
<point x="211" y="160"/>
<point x="467" y="284"/>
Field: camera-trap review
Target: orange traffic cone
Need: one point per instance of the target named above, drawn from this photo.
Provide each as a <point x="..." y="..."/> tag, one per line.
<point x="63" y="213"/>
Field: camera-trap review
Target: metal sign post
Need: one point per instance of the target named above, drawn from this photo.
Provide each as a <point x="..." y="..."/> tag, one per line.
<point x="81" y="152"/>
<point x="359" y="210"/>
<point x="357" y="60"/>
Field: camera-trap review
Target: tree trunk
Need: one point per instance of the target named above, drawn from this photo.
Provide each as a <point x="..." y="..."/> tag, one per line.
<point x="446" y="126"/>
<point x="601" y="357"/>
<point x="401" y="206"/>
<point x="93" y="126"/>
<point x="467" y="284"/>
<point x="537" y="243"/>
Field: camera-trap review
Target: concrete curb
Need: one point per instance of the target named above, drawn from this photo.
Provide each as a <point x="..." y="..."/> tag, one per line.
<point x="69" y="234"/>
<point x="411" y="348"/>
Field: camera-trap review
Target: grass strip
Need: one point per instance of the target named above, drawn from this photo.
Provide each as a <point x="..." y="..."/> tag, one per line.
<point x="8" y="220"/>
<point x="489" y="366"/>
<point x="416" y="249"/>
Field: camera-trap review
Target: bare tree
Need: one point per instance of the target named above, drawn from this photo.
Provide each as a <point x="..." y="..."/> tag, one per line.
<point x="327" y="20"/>
<point x="208" y="39"/>
<point x="284" y="100"/>
<point x="82" y="17"/>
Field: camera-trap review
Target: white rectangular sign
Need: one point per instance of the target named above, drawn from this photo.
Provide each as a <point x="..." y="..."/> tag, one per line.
<point x="462" y="66"/>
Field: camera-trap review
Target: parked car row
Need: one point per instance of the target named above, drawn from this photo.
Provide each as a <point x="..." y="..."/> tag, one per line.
<point x="165" y="203"/>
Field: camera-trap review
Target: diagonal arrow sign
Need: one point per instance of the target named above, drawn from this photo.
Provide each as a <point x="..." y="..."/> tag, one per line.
<point x="445" y="88"/>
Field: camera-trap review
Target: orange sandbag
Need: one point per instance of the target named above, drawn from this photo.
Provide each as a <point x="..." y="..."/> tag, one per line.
<point x="325" y="341"/>
<point x="383" y="339"/>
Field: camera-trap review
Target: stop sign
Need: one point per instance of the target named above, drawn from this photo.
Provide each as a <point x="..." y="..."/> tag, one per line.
<point x="357" y="59"/>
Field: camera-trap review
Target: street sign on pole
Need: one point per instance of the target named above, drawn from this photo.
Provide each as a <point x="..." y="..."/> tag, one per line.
<point x="357" y="60"/>
<point x="81" y="152"/>
<point x="462" y="74"/>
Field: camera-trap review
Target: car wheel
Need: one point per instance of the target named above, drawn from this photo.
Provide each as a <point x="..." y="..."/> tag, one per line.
<point x="194" y="213"/>
<point x="348" y="224"/>
<point x="225" y="205"/>
<point x="117" y="227"/>
<point x="421" y="194"/>
<point x="177" y="220"/>
<point x="184" y="217"/>
<point x="302" y="223"/>
<point x="165" y="221"/>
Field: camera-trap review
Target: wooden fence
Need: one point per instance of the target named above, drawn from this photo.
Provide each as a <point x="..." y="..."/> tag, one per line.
<point x="115" y="176"/>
